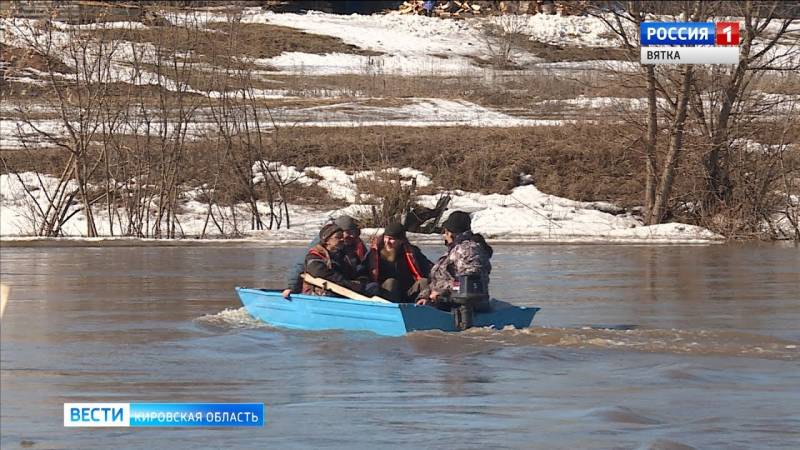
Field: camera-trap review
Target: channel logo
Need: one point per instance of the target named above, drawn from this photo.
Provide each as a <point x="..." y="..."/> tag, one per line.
<point x="163" y="414"/>
<point x="689" y="42"/>
<point x="97" y="414"/>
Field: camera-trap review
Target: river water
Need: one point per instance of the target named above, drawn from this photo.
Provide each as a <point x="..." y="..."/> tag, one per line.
<point x="636" y="347"/>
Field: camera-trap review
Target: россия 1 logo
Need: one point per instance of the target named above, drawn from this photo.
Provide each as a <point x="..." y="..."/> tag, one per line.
<point x="727" y="33"/>
<point x="689" y="42"/>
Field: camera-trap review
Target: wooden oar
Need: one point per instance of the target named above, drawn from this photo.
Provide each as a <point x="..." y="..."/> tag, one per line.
<point x="341" y="290"/>
<point x="3" y="298"/>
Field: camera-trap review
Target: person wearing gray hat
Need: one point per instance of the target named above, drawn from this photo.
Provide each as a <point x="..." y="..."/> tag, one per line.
<point x="346" y="222"/>
<point x="325" y="261"/>
<point x="352" y="252"/>
<point x="329" y="231"/>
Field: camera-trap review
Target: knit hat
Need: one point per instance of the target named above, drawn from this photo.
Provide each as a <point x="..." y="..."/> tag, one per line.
<point x="327" y="231"/>
<point x="395" y="230"/>
<point x="346" y="223"/>
<point x="457" y="222"/>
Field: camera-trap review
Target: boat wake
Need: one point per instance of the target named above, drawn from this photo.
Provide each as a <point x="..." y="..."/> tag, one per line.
<point x="693" y="342"/>
<point x="625" y="338"/>
<point x="230" y="318"/>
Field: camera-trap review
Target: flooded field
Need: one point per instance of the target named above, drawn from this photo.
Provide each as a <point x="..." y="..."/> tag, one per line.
<point x="640" y="347"/>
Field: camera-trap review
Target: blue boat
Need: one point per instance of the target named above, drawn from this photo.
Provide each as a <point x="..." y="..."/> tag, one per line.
<point x="311" y="312"/>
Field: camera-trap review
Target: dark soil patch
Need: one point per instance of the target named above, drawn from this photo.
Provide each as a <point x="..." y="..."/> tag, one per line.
<point x="222" y="40"/>
<point x="557" y="53"/>
<point x="15" y="93"/>
<point x="266" y="40"/>
<point x="14" y="59"/>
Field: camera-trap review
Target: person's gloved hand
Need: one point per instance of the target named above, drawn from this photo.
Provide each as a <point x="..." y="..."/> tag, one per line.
<point x="372" y="288"/>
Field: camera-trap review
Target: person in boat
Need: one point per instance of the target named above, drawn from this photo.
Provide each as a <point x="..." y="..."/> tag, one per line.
<point x="326" y="260"/>
<point x="467" y="254"/>
<point x="353" y="250"/>
<point x="399" y="267"/>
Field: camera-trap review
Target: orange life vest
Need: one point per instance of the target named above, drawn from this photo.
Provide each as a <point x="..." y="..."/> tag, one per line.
<point x="408" y="255"/>
<point x="326" y="257"/>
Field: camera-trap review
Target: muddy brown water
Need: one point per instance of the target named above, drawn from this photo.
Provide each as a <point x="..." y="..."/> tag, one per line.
<point x="639" y="347"/>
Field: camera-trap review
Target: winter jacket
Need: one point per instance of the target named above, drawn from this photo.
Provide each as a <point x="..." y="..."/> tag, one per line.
<point x="469" y="254"/>
<point x="411" y="264"/>
<point x="321" y="264"/>
<point x="353" y="257"/>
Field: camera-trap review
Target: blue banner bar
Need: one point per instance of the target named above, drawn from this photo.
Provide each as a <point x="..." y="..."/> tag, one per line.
<point x="676" y="33"/>
<point x="197" y="415"/>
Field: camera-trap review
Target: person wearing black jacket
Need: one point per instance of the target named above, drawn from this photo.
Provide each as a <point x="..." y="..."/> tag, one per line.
<point x="400" y="268"/>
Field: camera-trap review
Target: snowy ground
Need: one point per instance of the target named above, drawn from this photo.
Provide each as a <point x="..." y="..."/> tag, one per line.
<point x="524" y="215"/>
<point x="419" y="45"/>
<point x="409" y="46"/>
<point x="416" y="112"/>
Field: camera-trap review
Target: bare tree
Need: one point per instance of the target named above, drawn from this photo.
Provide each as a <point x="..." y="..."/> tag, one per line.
<point x="78" y="73"/>
<point x="718" y="105"/>
<point x="248" y="133"/>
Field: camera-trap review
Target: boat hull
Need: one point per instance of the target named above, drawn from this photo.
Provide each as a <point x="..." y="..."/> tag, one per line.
<point x="310" y="312"/>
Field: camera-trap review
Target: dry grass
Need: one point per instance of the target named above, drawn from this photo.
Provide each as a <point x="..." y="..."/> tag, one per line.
<point x="26" y="94"/>
<point x="583" y="162"/>
<point x="510" y="89"/>
<point x="779" y="83"/>
<point x="556" y="53"/>
<point x="389" y="196"/>
<point x="44" y="160"/>
<point x="312" y="195"/>
<point x="220" y="40"/>
<point x="262" y="40"/>
<point x="13" y="59"/>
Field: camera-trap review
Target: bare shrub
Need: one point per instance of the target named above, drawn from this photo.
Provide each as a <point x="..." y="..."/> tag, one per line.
<point x="503" y="36"/>
<point x="391" y="197"/>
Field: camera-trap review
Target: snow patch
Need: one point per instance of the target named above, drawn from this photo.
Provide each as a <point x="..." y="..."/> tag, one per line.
<point x="526" y="214"/>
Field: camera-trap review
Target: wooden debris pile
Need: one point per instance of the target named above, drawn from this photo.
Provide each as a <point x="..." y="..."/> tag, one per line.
<point x="470" y="8"/>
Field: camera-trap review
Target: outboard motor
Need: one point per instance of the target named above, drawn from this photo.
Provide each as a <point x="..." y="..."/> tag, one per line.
<point x="472" y="295"/>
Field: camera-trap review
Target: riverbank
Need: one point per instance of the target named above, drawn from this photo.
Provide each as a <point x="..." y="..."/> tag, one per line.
<point x="524" y="215"/>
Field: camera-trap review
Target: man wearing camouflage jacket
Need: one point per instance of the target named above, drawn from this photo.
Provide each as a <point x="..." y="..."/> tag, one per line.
<point x="467" y="254"/>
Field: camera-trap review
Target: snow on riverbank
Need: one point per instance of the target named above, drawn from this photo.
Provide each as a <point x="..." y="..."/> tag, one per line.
<point x="419" y="45"/>
<point x="525" y="215"/>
